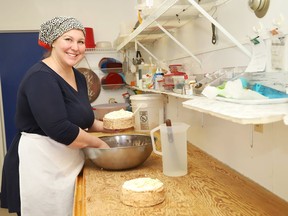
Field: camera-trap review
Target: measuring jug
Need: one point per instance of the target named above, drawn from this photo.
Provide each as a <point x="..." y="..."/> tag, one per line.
<point x="173" y="148"/>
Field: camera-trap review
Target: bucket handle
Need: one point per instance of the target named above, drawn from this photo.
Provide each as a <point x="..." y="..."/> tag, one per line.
<point x="153" y="140"/>
<point x="137" y="109"/>
<point x="141" y="105"/>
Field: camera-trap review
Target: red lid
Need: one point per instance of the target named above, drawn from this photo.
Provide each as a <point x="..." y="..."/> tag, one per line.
<point x="178" y="73"/>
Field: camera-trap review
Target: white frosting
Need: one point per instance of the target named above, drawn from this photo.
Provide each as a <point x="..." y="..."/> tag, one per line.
<point x="119" y="114"/>
<point x="142" y="184"/>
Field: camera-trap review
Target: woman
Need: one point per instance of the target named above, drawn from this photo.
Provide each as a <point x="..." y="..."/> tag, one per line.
<point x="53" y="116"/>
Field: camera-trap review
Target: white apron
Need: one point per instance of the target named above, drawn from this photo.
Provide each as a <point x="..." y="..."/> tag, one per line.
<point x="48" y="171"/>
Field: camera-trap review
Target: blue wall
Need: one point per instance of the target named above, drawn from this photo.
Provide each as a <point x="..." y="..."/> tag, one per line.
<point x="18" y="52"/>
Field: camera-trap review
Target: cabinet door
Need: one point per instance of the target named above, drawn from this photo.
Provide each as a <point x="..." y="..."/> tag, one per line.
<point x="2" y="137"/>
<point x="19" y="51"/>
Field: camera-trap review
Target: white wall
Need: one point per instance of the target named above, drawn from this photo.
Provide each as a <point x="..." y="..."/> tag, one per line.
<point x="104" y="17"/>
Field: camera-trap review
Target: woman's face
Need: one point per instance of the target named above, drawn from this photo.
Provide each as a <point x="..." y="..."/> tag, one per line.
<point x="69" y="48"/>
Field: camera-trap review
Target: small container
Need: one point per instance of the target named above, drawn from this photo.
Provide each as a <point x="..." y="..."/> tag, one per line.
<point x="172" y="78"/>
<point x="89" y="38"/>
<point x="161" y="85"/>
<point x="168" y="79"/>
<point x="168" y="87"/>
<point x="158" y="76"/>
<point x="175" y="68"/>
<point x="198" y="88"/>
<point x="179" y="80"/>
<point x="147" y="81"/>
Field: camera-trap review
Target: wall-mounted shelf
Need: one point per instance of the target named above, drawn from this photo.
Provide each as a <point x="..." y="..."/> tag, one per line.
<point x="171" y="15"/>
<point x="162" y="92"/>
<point x="100" y="50"/>
<point x="235" y="112"/>
<point x="239" y="113"/>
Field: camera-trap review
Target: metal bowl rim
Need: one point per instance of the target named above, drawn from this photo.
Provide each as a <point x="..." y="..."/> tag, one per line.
<point x="124" y="147"/>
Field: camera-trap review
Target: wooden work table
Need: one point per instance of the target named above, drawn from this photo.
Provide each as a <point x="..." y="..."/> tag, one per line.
<point x="210" y="189"/>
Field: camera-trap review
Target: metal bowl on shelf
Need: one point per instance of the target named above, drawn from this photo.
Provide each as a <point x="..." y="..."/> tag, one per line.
<point x="125" y="152"/>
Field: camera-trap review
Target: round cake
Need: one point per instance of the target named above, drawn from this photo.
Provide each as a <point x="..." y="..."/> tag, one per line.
<point x="118" y="120"/>
<point x="142" y="192"/>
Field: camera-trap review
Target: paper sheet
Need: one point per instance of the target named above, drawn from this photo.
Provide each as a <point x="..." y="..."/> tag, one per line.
<point x="259" y="57"/>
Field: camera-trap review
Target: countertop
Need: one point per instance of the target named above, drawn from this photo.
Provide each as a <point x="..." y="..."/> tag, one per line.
<point x="209" y="188"/>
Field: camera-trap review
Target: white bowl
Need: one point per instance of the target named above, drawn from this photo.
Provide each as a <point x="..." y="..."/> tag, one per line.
<point x="103" y="44"/>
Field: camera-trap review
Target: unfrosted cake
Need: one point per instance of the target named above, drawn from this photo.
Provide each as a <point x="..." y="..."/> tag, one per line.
<point x="142" y="192"/>
<point x="118" y="120"/>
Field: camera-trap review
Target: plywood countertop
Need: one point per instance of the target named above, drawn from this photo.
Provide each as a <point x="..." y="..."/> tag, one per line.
<point x="209" y="189"/>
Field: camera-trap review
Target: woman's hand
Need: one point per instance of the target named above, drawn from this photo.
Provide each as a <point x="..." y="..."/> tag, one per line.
<point x="103" y="145"/>
<point x="85" y="139"/>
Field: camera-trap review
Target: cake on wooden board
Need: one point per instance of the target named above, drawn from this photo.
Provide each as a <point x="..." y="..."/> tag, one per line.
<point x="118" y="120"/>
<point x="142" y="192"/>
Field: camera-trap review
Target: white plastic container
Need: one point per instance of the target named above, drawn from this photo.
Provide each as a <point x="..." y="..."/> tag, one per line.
<point x="150" y="113"/>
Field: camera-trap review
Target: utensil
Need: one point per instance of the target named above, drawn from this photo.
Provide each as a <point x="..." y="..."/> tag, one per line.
<point x="126" y="152"/>
<point x="138" y="60"/>
<point x="169" y="131"/>
<point x="213" y="34"/>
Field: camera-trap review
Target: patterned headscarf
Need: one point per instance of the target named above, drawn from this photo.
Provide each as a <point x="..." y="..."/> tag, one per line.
<point x="54" y="28"/>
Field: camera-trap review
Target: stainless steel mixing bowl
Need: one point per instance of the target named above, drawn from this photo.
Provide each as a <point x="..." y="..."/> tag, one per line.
<point x="126" y="152"/>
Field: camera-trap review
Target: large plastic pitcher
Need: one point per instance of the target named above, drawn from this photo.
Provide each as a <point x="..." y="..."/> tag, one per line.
<point x="173" y="148"/>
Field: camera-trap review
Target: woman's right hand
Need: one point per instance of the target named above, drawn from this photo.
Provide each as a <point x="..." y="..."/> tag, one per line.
<point x="84" y="139"/>
<point x="103" y="144"/>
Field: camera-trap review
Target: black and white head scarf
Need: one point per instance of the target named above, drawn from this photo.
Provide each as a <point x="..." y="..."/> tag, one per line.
<point x="54" y="28"/>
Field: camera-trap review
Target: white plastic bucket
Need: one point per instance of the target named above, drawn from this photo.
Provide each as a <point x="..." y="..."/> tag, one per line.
<point x="150" y="113"/>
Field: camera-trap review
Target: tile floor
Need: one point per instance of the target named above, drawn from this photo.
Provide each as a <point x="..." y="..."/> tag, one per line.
<point x="4" y="212"/>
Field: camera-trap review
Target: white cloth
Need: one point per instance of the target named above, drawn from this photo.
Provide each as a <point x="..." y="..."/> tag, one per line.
<point x="48" y="171"/>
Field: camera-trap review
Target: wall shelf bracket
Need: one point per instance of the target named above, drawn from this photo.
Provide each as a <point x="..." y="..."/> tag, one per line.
<point x="176" y="41"/>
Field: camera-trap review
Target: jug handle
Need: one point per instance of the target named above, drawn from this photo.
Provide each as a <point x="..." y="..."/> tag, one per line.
<point x="153" y="140"/>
